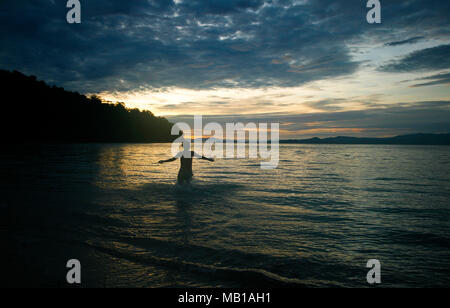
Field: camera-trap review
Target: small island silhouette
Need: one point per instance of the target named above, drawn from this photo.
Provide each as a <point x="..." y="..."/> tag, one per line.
<point x="36" y="112"/>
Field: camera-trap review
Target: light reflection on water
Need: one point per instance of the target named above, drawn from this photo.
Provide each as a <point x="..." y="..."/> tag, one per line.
<point x="313" y="221"/>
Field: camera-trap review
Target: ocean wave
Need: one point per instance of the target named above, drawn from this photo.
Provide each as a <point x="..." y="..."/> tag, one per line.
<point x="255" y="277"/>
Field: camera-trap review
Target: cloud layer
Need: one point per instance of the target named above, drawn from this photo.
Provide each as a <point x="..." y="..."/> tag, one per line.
<point x="428" y="117"/>
<point x="303" y="49"/>
<point x="129" y="45"/>
<point x="436" y="58"/>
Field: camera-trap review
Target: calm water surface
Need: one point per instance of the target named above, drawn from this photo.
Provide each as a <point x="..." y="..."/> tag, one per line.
<point x="314" y="221"/>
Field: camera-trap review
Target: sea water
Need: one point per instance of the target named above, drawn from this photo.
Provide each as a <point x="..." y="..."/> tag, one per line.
<point x="314" y="221"/>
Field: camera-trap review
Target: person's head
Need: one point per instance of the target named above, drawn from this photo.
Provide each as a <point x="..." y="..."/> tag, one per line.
<point x="186" y="144"/>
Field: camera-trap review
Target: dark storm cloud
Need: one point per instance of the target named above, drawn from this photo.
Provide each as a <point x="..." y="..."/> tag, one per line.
<point x="435" y="58"/>
<point x="132" y="45"/>
<point x="411" y="40"/>
<point x="434" y="80"/>
<point x="220" y="7"/>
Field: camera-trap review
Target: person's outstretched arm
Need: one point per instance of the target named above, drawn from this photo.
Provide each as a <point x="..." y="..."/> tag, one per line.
<point x="202" y="157"/>
<point x="167" y="161"/>
<point x="208" y="159"/>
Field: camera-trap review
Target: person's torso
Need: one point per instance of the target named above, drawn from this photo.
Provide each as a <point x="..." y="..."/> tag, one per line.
<point x="186" y="164"/>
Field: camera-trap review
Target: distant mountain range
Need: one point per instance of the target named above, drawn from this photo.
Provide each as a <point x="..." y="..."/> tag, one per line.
<point x="414" y="139"/>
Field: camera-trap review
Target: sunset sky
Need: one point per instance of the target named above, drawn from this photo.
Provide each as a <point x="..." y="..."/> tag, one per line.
<point x="316" y="67"/>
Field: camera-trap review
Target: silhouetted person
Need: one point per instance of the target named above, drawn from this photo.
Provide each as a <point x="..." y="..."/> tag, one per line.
<point x="186" y="156"/>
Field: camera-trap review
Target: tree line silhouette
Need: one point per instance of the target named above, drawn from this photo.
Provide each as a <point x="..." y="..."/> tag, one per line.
<point x="32" y="111"/>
